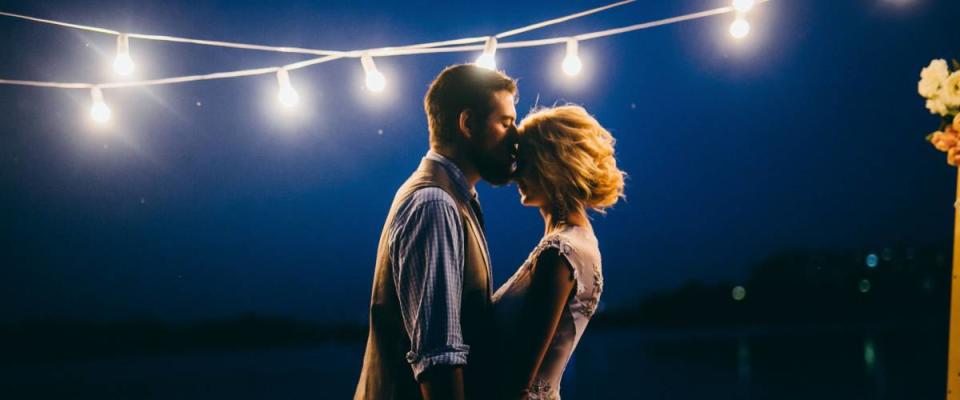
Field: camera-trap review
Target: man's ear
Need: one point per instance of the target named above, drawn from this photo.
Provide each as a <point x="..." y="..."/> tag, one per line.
<point x="465" y="116"/>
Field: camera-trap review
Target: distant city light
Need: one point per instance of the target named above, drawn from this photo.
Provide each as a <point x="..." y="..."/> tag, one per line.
<point x="869" y="354"/>
<point x="739" y="292"/>
<point x="864" y="285"/>
<point x="872" y="260"/>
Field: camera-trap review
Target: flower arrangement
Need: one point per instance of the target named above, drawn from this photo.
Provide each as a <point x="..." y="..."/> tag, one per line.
<point x="941" y="88"/>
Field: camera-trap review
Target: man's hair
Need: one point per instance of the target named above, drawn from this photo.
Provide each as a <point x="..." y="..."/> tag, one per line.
<point x="458" y="88"/>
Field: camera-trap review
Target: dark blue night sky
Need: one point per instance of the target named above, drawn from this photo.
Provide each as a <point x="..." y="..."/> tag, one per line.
<point x="201" y="201"/>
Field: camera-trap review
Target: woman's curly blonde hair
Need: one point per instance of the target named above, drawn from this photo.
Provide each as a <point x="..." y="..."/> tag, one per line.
<point x="571" y="157"/>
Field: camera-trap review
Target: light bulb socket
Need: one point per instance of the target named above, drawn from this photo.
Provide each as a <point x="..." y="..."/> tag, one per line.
<point x="283" y="78"/>
<point x="123" y="44"/>
<point x="368" y="66"/>
<point x="490" y="47"/>
<point x="572" y="47"/>
<point x="743" y="6"/>
<point x="96" y="94"/>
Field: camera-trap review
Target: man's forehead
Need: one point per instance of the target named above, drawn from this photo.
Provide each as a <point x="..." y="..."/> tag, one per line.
<point x="504" y="104"/>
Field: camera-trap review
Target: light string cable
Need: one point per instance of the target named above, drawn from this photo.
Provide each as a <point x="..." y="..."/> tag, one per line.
<point x="426" y="48"/>
<point x="302" y="50"/>
<point x="329" y="55"/>
<point x="580" y="37"/>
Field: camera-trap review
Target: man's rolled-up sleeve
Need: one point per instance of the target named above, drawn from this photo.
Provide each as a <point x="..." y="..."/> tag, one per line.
<point x="428" y="273"/>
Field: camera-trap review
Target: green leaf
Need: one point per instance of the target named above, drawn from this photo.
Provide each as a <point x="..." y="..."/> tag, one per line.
<point x="928" y="137"/>
<point x="956" y="65"/>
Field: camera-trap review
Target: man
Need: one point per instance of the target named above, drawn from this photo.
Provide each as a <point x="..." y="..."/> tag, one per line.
<point x="430" y="312"/>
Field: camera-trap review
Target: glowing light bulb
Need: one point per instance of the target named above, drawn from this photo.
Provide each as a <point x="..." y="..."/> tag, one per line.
<point x="739" y="28"/>
<point x="743" y="5"/>
<point x="571" y="63"/>
<point x="99" y="112"/>
<point x="376" y="82"/>
<point x="487" y="59"/>
<point x="287" y="95"/>
<point x="123" y="64"/>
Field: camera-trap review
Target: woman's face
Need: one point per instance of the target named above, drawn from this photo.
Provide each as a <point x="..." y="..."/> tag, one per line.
<point x="531" y="194"/>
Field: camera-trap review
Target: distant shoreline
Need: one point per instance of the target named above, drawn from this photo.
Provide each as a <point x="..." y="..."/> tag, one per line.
<point x="49" y="341"/>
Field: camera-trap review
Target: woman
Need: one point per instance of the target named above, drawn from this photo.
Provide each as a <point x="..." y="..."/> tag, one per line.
<point x="566" y="165"/>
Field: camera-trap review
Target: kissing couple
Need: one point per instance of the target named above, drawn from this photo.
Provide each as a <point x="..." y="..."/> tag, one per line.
<point x="437" y="328"/>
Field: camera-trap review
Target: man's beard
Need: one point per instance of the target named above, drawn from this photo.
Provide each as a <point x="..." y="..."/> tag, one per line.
<point x="494" y="165"/>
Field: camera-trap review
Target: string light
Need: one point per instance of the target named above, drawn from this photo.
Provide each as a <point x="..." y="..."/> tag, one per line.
<point x="740" y="28"/>
<point x="487" y="59"/>
<point x="456" y="45"/>
<point x="743" y="6"/>
<point x="287" y="94"/>
<point x="375" y="80"/>
<point x="123" y="64"/>
<point x="571" y="63"/>
<point x="99" y="111"/>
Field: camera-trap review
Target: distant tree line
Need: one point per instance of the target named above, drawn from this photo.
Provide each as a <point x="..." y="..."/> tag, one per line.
<point x="886" y="285"/>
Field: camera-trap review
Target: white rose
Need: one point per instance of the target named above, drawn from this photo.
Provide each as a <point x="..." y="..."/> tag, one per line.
<point x="932" y="77"/>
<point x="950" y="92"/>
<point x="937" y="107"/>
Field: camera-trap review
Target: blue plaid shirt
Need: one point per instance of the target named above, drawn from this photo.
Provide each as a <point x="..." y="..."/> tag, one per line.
<point x="426" y="245"/>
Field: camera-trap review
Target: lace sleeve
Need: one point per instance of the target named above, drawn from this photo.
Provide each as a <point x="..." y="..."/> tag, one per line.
<point x="566" y="251"/>
<point x="589" y="280"/>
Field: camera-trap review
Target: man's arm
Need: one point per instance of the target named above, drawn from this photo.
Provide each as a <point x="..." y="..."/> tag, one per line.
<point x="429" y="279"/>
<point x="442" y="382"/>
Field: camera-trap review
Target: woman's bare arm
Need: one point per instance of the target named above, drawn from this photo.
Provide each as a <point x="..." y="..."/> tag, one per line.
<point x="550" y="288"/>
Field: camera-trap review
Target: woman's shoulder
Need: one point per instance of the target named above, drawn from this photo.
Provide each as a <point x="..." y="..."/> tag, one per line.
<point x="575" y="241"/>
<point x="579" y="247"/>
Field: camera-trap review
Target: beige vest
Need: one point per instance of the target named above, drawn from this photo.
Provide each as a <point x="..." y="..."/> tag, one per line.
<point x="386" y="373"/>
